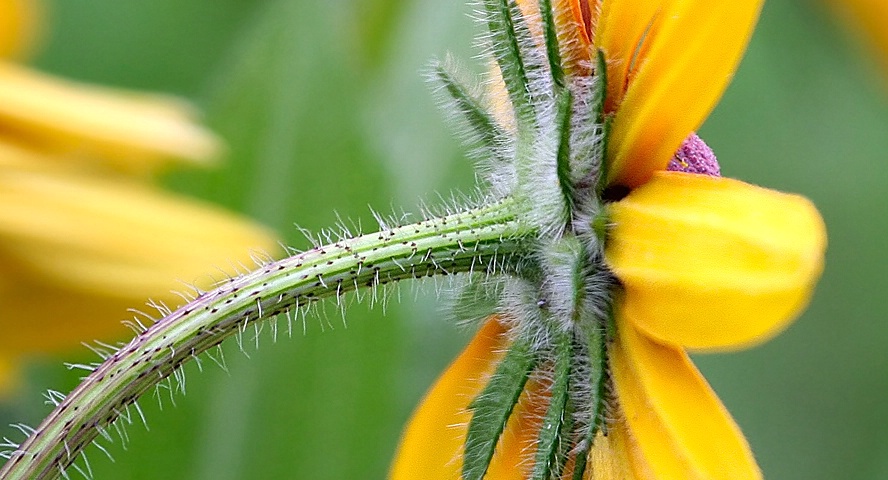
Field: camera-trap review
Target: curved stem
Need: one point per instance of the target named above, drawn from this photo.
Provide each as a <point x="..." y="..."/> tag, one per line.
<point x="485" y="239"/>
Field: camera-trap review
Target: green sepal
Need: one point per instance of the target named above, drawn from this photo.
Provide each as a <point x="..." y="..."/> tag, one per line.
<point x="527" y="46"/>
<point x="587" y="150"/>
<point x="599" y="96"/>
<point x="492" y="408"/>
<point x="507" y="49"/>
<point x="596" y="347"/>
<point x="599" y="92"/>
<point x="563" y="122"/>
<point x="605" y="166"/>
<point x="554" y="442"/>
<point x="484" y="127"/>
<point x="553" y="52"/>
<point x="478" y="298"/>
<point x="600" y="225"/>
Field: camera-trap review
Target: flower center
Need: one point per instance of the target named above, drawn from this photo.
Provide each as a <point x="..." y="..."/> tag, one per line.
<point x="694" y="156"/>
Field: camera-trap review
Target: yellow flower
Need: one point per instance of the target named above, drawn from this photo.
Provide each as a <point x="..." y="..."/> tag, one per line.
<point x="703" y="262"/>
<point x="84" y="235"/>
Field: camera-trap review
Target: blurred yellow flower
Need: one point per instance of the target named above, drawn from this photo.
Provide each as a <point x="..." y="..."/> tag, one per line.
<point x="84" y="235"/>
<point x="19" y="26"/>
<point x="703" y="263"/>
<point x="868" y="19"/>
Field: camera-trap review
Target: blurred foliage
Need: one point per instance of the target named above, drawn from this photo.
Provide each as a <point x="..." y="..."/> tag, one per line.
<point x="325" y="111"/>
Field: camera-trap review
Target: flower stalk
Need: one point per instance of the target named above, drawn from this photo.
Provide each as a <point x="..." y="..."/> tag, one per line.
<point x="484" y="240"/>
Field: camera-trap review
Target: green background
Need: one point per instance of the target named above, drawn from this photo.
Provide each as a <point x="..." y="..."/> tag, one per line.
<point x="325" y="111"/>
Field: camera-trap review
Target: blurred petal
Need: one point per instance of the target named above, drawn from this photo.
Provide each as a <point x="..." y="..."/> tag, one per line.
<point x="19" y="26"/>
<point x="711" y="262"/>
<point x="135" y="132"/>
<point x="869" y="20"/>
<point x="16" y="155"/>
<point x="8" y="378"/>
<point x="120" y="239"/>
<point x="432" y="443"/>
<point x="681" y="428"/>
<point x="40" y="318"/>
<point x="688" y="53"/>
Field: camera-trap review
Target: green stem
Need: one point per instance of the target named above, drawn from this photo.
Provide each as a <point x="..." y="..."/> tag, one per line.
<point x="485" y="239"/>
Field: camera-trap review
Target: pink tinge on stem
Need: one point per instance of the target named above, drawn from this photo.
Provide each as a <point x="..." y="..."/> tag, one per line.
<point x="694" y="156"/>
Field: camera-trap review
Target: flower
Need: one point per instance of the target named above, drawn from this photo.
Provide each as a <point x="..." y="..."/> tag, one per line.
<point x="84" y="235"/>
<point x="701" y="262"/>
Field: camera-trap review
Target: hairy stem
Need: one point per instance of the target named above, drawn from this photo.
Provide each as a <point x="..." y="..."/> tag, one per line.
<point x="486" y="239"/>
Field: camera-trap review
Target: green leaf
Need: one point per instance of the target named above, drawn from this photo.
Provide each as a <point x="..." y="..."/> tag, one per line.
<point x="493" y="407"/>
<point x="554" y="442"/>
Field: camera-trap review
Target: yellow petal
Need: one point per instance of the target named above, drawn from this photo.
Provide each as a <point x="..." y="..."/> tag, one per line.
<point x="133" y="132"/>
<point x="432" y="443"/>
<point x="530" y="13"/>
<point x="711" y="262"/>
<point x="575" y="22"/>
<point x="638" y="464"/>
<point x="687" y="59"/>
<point x="681" y="428"/>
<point x="19" y="26"/>
<point x="116" y="238"/>
<point x="585" y="15"/>
<point x="613" y="456"/>
<point x="620" y="30"/>
<point x="514" y="455"/>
